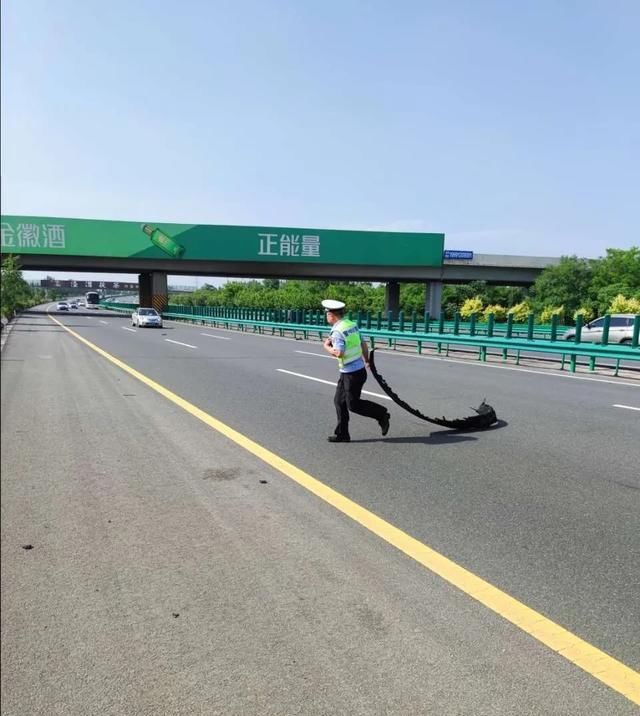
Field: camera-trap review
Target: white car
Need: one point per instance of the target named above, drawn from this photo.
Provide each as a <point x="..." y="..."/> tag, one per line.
<point x="146" y="317"/>
<point x="62" y="306"/>
<point x="620" y="329"/>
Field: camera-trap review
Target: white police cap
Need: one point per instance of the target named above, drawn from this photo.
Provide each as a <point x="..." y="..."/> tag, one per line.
<point x="330" y="305"/>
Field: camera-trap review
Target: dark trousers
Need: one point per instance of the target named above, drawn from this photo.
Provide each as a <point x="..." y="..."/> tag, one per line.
<point x="347" y="398"/>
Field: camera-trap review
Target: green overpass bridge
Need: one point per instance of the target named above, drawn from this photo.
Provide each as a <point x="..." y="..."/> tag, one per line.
<point x="154" y="249"/>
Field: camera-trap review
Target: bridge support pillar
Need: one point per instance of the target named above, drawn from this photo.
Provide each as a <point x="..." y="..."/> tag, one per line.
<point x="433" y="298"/>
<point x="153" y="290"/>
<point x="392" y="298"/>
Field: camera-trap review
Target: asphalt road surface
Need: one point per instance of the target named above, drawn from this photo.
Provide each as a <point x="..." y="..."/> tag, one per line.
<point x="174" y="572"/>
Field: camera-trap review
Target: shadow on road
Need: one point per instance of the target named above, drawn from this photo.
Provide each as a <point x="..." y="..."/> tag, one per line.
<point x="441" y="437"/>
<point x="446" y="438"/>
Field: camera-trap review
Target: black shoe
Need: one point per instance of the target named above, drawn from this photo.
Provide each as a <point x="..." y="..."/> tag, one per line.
<point x="338" y="439"/>
<point x="384" y="423"/>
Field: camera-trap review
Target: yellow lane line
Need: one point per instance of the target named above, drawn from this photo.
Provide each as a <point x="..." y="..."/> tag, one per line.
<point x="595" y="662"/>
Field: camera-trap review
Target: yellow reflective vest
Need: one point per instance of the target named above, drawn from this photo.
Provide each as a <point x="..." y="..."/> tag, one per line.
<point x="352" y="341"/>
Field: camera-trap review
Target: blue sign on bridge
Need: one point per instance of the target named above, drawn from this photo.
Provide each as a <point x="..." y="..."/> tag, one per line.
<point x="459" y="255"/>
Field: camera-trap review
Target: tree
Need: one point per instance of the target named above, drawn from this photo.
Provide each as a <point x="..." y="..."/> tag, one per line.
<point x="15" y="293"/>
<point x="568" y="284"/>
<point x="617" y="273"/>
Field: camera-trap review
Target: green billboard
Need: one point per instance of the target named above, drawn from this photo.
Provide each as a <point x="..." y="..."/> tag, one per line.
<point x="47" y="235"/>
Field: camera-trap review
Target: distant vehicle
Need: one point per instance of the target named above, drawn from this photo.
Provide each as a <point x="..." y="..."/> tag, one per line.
<point x="73" y="305"/>
<point x="92" y="299"/>
<point x="62" y="306"/>
<point x="620" y="329"/>
<point x="146" y="317"/>
<point x="82" y="303"/>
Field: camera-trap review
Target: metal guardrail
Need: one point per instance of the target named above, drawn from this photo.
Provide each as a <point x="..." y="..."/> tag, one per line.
<point x="441" y="339"/>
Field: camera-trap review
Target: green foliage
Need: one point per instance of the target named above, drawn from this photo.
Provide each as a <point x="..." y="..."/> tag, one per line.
<point x="470" y="306"/>
<point x="621" y="304"/>
<point x="499" y="312"/>
<point x="548" y="312"/>
<point x="587" y="284"/>
<point x="15" y="292"/>
<point x="566" y="284"/>
<point x="620" y="269"/>
<point x="586" y="312"/>
<point x="294" y="294"/>
<point x="520" y="311"/>
<point x="454" y="296"/>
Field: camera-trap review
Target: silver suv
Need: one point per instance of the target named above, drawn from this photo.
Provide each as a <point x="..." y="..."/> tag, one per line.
<point x="620" y="329"/>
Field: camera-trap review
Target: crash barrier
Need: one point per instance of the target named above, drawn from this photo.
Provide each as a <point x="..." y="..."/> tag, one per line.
<point x="412" y="324"/>
<point x="507" y="345"/>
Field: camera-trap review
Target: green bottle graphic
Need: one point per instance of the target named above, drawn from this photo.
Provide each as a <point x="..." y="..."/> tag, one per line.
<point x="164" y="241"/>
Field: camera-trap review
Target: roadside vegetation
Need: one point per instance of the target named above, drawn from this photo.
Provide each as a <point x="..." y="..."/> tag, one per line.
<point x="15" y="292"/>
<point x="590" y="287"/>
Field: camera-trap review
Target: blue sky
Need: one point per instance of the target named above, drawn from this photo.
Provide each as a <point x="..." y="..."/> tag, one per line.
<point x="510" y="127"/>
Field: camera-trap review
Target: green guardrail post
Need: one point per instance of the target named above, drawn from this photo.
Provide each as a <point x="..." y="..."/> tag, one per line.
<point x="530" y="318"/>
<point x="509" y="333"/>
<point x="359" y="319"/>
<point x="636" y="332"/>
<point x="390" y="321"/>
<point x="456" y="324"/>
<point x="401" y="321"/>
<point x="379" y="321"/>
<point x="440" y="330"/>
<point x="605" y="339"/>
<point x="490" y="325"/>
<point x="427" y="319"/>
<point x="576" y="340"/>
<point x="369" y="319"/>
<point x="414" y="322"/>
<point x="554" y="326"/>
<point x="578" y="336"/>
<point x="472" y="324"/>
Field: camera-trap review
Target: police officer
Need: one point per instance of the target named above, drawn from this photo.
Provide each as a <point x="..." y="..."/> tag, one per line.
<point x="346" y="344"/>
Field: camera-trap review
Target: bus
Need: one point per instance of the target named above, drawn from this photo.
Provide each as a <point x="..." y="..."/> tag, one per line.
<point x="92" y="299"/>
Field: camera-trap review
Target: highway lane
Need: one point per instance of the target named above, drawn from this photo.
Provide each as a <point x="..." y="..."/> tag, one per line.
<point x="173" y="573"/>
<point x="546" y="507"/>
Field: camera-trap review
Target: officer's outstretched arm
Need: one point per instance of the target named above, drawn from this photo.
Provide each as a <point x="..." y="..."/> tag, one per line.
<point x="365" y="352"/>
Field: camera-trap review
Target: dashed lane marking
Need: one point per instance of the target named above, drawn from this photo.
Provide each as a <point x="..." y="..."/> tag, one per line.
<point x="180" y="343"/>
<point x="220" y="338"/>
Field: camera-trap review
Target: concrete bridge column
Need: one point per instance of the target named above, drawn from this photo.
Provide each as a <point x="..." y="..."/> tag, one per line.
<point x="392" y="298"/>
<point x="433" y="298"/>
<point x="153" y="290"/>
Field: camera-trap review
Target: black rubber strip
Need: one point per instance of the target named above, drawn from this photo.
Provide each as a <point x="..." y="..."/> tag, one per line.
<point x="485" y="415"/>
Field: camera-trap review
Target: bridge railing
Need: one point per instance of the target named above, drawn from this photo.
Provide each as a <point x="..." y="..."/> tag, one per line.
<point x="507" y="344"/>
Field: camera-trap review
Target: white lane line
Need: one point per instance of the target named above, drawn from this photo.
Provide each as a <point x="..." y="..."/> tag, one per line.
<point x="317" y="355"/>
<point x="180" y="343"/>
<point x="220" y="338"/>
<point x="626" y="407"/>
<point x="133" y="330"/>
<point x="106" y="323"/>
<point x="328" y="382"/>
